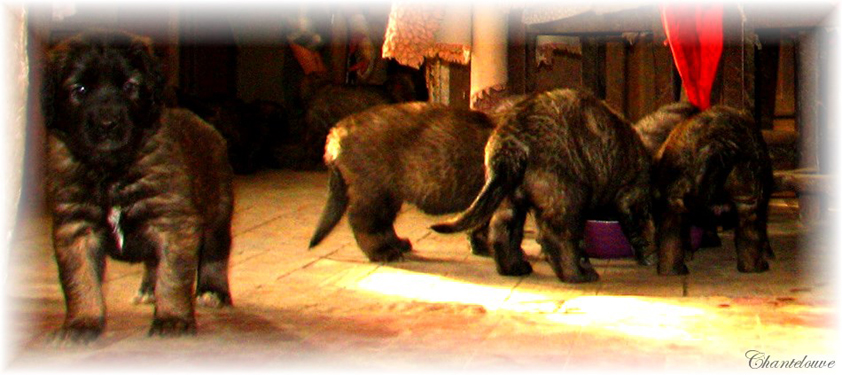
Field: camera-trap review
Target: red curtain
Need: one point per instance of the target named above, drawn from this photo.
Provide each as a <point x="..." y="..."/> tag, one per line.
<point x="694" y="34"/>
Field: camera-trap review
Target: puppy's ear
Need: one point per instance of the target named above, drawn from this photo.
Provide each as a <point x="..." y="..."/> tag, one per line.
<point x="54" y="67"/>
<point x="143" y="54"/>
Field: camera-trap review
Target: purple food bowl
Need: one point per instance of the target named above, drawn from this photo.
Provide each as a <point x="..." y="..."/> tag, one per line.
<point x="605" y="240"/>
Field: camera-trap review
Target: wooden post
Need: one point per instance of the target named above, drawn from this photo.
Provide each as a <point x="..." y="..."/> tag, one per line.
<point x="811" y="114"/>
<point x="615" y="75"/>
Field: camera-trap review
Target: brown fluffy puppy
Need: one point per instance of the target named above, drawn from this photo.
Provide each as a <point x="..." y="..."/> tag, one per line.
<point x="717" y="158"/>
<point x="561" y="154"/>
<point x="133" y="181"/>
<point x="426" y="154"/>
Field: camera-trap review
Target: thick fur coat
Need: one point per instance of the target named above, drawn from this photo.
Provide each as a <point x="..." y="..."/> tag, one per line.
<point x="133" y="181"/>
<point x="561" y="154"/>
<point x="715" y="160"/>
<point x="425" y="154"/>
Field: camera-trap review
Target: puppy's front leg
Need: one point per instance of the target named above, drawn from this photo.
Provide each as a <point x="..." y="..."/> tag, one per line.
<point x="178" y="254"/>
<point x="81" y="264"/>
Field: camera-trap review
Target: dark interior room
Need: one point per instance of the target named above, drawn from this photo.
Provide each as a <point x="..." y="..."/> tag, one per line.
<point x="313" y="101"/>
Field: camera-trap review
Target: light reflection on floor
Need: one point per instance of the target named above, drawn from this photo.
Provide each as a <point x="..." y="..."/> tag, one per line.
<point x="637" y="316"/>
<point x="433" y="288"/>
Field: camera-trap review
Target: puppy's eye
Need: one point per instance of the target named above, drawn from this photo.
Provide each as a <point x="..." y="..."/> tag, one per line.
<point x="131" y="86"/>
<point x="78" y="91"/>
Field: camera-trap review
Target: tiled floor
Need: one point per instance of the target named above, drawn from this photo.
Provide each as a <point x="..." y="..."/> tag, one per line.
<point x="330" y="309"/>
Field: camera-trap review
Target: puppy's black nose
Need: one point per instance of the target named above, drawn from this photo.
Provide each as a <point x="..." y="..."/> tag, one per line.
<point x="107" y="124"/>
<point x="108" y="120"/>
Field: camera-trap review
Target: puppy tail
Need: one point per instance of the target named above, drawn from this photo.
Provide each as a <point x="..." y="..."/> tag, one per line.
<point x="337" y="202"/>
<point x="505" y="165"/>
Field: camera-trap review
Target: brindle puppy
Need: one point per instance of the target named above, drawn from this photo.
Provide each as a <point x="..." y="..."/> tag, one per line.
<point x="656" y="126"/>
<point x="654" y="130"/>
<point x="562" y="154"/>
<point x="133" y="181"/>
<point x="717" y="158"/>
<point x="426" y="154"/>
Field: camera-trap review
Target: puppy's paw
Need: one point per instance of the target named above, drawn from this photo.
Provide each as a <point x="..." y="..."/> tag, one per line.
<point x="760" y="265"/>
<point x="403" y="245"/>
<point x="521" y="268"/>
<point x="76" y="334"/>
<point x="213" y="300"/>
<point x="586" y="275"/>
<point x="675" y="270"/>
<point x="767" y="251"/>
<point x="172" y="327"/>
<point x="647" y="259"/>
<point x="480" y="248"/>
<point x="144" y="298"/>
<point x="386" y="254"/>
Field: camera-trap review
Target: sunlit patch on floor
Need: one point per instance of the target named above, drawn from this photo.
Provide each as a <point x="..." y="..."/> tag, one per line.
<point x="433" y="288"/>
<point x="635" y="316"/>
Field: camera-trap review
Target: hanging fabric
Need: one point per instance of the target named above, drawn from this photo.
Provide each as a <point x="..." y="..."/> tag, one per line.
<point x="419" y="30"/>
<point x="694" y="34"/>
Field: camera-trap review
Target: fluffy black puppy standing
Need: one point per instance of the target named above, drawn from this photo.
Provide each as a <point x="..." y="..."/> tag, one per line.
<point x="562" y="154"/>
<point x="133" y="181"/>
<point x="716" y="158"/>
<point x="426" y="154"/>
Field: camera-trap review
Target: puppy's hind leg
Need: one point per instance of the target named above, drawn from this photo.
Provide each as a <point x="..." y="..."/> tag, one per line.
<point x="559" y="239"/>
<point x="749" y="241"/>
<point x="371" y="220"/>
<point x="672" y="242"/>
<point x="750" y="236"/>
<point x="479" y="240"/>
<point x="212" y="288"/>
<point x="506" y="235"/>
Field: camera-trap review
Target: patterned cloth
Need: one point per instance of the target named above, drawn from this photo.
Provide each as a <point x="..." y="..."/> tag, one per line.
<point x="547" y="11"/>
<point x="548" y="45"/>
<point x="455" y="33"/>
<point x="420" y="30"/>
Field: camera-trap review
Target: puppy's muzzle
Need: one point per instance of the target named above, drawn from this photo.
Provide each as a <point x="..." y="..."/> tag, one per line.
<point x="110" y="126"/>
<point x="107" y="122"/>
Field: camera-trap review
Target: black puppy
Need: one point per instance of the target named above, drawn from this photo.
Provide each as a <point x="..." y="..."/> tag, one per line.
<point x="426" y="154"/>
<point x="714" y="159"/>
<point x="562" y="154"/>
<point x="133" y="181"/>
